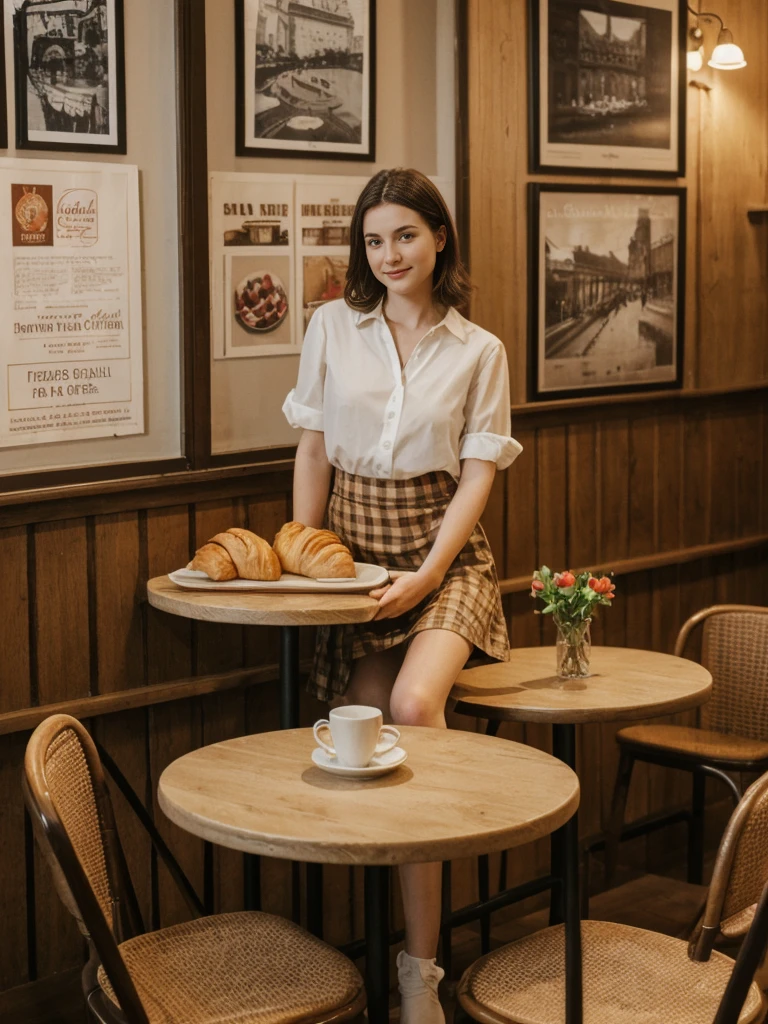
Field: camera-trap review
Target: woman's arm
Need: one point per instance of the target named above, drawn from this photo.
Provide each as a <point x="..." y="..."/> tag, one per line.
<point x="461" y="517"/>
<point x="311" y="479"/>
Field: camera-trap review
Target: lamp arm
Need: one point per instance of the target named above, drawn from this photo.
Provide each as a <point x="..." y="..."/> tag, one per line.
<point x="706" y="14"/>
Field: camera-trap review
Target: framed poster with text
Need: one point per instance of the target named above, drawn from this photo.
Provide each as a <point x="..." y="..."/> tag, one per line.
<point x="607" y="86"/>
<point x="71" y="336"/>
<point x="305" y="78"/>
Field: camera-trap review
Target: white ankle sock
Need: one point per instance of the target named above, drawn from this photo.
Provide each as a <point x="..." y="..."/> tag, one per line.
<point x="417" y="981"/>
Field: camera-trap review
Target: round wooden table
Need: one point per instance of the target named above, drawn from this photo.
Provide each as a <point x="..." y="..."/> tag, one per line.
<point x="290" y="612"/>
<point x="625" y="684"/>
<point x="263" y="795"/>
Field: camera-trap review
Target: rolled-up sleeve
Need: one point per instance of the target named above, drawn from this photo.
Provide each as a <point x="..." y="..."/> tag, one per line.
<point x="304" y="405"/>
<point x="487" y="417"/>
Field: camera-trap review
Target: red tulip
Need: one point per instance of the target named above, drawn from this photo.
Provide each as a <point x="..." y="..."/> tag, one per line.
<point x="564" y="579"/>
<point x="602" y="586"/>
<point x="537" y="585"/>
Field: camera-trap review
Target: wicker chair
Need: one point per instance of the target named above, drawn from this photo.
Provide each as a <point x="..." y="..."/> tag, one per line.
<point x="634" y="976"/>
<point x="251" y="968"/>
<point x="732" y="731"/>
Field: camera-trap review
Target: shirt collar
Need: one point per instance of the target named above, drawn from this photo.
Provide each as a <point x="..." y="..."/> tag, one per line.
<point x="452" y="321"/>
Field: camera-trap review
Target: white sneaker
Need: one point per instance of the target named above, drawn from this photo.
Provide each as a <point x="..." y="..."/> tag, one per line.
<point x="417" y="981"/>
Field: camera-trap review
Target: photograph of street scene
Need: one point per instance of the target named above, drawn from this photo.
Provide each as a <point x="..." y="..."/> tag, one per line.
<point x="608" y="290"/>
<point x="66" y="61"/>
<point x="310" y="61"/>
<point x="609" y="74"/>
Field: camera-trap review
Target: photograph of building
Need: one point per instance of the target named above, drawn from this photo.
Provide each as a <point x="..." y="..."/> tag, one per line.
<point x="67" y="64"/>
<point x="609" y="77"/>
<point x="308" y="69"/>
<point x="609" y="293"/>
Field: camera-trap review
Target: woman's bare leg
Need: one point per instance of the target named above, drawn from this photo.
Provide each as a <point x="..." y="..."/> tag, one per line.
<point x="433" y="661"/>
<point x="372" y="679"/>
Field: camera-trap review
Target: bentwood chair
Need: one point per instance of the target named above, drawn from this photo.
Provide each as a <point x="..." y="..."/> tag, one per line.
<point x="634" y="976"/>
<point x="249" y="968"/>
<point x="732" y="729"/>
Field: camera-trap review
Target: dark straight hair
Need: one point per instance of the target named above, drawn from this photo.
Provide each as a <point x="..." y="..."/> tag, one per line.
<point x="405" y="187"/>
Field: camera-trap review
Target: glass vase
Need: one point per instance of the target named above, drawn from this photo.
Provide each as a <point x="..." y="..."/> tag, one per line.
<point x="573" y="649"/>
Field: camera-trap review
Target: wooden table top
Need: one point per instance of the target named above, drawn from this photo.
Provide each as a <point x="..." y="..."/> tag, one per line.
<point x="246" y="609"/>
<point x="458" y="794"/>
<point x="625" y="684"/>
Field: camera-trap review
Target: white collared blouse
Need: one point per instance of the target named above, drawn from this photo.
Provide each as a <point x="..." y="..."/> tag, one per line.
<point x="449" y="402"/>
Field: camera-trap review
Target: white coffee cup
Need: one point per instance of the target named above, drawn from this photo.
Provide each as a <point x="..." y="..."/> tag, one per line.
<point x="356" y="732"/>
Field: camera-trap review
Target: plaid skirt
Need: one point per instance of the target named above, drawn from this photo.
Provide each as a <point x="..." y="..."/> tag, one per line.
<point x="394" y="523"/>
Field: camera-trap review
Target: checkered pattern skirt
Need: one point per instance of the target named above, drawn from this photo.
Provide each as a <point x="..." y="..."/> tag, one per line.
<point x="393" y="523"/>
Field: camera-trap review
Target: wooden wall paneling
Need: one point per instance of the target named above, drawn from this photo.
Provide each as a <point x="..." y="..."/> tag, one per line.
<point x="15" y="681"/>
<point x="64" y="670"/>
<point x="643" y="495"/>
<point x="553" y="496"/>
<point x="725" y="474"/>
<point x="668" y="530"/>
<point x="522" y="505"/>
<point x="748" y="458"/>
<point x="583" y="521"/>
<point x="14" y="961"/>
<point x="734" y="156"/>
<point x="174" y="729"/>
<point x="697" y="474"/>
<point x="264" y="517"/>
<point x="494" y="519"/>
<point x="497" y="132"/>
<point x="613" y="493"/>
<point x="118" y="578"/>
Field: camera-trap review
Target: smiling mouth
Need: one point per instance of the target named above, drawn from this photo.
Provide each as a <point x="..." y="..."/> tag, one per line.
<point x="397" y="273"/>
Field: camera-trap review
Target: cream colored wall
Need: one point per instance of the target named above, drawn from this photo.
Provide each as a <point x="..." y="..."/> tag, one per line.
<point x="414" y="128"/>
<point x="151" y="120"/>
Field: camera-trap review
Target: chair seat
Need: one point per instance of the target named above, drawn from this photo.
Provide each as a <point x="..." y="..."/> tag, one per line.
<point x="631" y="976"/>
<point x="251" y="968"/>
<point x="696" y="744"/>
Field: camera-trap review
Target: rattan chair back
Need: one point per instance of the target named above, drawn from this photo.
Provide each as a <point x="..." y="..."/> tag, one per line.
<point x="740" y="873"/>
<point x="734" y="648"/>
<point x="72" y="815"/>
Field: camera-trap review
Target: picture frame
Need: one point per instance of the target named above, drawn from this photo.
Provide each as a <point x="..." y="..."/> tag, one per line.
<point x="3" y="91"/>
<point x="607" y="87"/>
<point x="606" y="289"/>
<point x="69" y="75"/>
<point x="311" y="70"/>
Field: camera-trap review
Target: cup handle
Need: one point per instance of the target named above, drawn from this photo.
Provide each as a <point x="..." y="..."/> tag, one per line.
<point x="323" y="724"/>
<point x="389" y="742"/>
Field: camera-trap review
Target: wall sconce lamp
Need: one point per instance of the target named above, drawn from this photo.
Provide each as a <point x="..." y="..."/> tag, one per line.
<point x="726" y="56"/>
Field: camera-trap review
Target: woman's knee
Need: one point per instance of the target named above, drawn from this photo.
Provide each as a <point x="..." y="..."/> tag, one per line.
<point x="413" y="707"/>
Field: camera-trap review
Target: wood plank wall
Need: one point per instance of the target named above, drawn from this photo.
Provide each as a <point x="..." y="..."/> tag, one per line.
<point x="596" y="485"/>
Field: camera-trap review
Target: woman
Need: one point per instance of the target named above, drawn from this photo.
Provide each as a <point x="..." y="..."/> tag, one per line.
<point x="404" y="404"/>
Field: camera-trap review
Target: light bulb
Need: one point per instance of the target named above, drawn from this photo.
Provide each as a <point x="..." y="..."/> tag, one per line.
<point x="695" y="59"/>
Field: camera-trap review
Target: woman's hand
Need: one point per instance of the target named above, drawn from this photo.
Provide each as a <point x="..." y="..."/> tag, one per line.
<point x="404" y="593"/>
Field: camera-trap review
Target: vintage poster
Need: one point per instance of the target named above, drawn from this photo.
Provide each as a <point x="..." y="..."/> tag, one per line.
<point x="252" y="266"/>
<point x="323" y="215"/>
<point x="70" y="296"/>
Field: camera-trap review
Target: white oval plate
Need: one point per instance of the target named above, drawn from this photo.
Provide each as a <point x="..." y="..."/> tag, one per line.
<point x="380" y="764"/>
<point x="367" y="577"/>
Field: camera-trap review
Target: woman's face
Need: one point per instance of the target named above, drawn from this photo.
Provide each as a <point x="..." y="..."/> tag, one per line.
<point x="401" y="247"/>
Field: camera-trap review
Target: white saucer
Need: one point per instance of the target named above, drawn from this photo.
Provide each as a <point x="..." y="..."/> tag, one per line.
<point x="380" y="764"/>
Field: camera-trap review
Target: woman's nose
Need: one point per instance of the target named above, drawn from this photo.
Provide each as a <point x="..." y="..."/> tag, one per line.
<point x="393" y="257"/>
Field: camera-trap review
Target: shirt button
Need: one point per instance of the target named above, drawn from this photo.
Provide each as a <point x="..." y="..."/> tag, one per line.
<point x="387" y="444"/>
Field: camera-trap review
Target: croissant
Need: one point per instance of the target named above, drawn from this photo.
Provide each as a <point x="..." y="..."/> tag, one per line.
<point x="309" y="552"/>
<point x="215" y="561"/>
<point x="237" y="553"/>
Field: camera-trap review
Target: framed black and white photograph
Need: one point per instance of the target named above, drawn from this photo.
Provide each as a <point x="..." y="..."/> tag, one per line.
<point x="69" y="75"/>
<point x="607" y="89"/>
<point x="606" y="289"/>
<point x="305" y="78"/>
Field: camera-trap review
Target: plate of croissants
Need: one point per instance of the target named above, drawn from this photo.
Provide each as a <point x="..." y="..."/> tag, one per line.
<point x="301" y="558"/>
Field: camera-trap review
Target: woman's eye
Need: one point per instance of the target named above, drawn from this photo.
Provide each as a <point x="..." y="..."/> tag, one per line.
<point x="374" y="242"/>
<point x="406" y="236"/>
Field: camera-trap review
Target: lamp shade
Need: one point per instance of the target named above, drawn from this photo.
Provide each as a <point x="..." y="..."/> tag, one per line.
<point x="727" y="56"/>
<point x="695" y="59"/>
